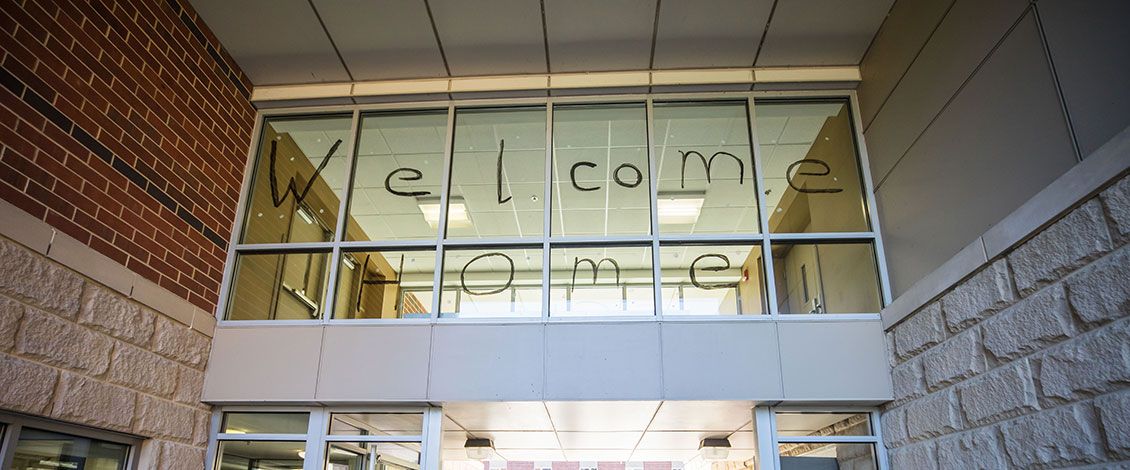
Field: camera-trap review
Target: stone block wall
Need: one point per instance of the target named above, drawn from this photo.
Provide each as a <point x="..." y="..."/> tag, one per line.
<point x="74" y="350"/>
<point x="1026" y="363"/>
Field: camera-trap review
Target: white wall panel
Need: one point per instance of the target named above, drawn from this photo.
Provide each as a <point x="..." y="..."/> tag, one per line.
<point x="283" y="43"/>
<point x="826" y="361"/>
<point x="720" y="361"/>
<point x="709" y="33"/>
<point x="1001" y="140"/>
<point x="595" y="35"/>
<point x="964" y="38"/>
<point x="493" y="363"/>
<point x="1088" y="44"/>
<point x="384" y="40"/>
<point x="603" y="361"/>
<point x="256" y="364"/>
<point x="374" y="363"/>
<point x="821" y="32"/>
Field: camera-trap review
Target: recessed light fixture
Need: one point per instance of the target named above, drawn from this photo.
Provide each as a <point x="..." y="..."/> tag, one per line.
<point x="456" y="213"/>
<point x="679" y="208"/>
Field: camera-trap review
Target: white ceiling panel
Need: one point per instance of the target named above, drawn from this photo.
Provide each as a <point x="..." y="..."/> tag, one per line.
<point x="602" y="415"/>
<point x="599" y="440"/>
<point x="598" y="455"/>
<point x="531" y="454"/>
<point x="702" y="415"/>
<point x="660" y="455"/>
<point x="709" y="33"/>
<point x="594" y="35"/>
<point x="655" y="440"/>
<point x="494" y="416"/>
<point x="821" y="32"/>
<point x="495" y="37"/>
<point x="385" y="40"/>
<point x="521" y="440"/>
<point x="281" y="43"/>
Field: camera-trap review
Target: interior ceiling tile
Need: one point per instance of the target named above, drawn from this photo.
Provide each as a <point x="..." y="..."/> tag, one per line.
<point x="499" y="37"/>
<point x="275" y="42"/>
<point x="599" y="35"/>
<point x="675" y="440"/>
<point x="601" y="415"/>
<point x="496" y="416"/>
<point x="702" y="415"/>
<point x="385" y="40"/>
<point x="821" y="32"/>
<point x="709" y="33"/>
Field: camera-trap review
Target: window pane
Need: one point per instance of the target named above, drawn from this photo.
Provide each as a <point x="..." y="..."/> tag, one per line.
<point x="278" y="286"/>
<point x="600" y="170"/>
<point x="712" y="280"/>
<point x="376" y="424"/>
<point x="498" y="173"/>
<point x="705" y="164"/>
<point x="38" y="449"/>
<point x="601" y="282"/>
<point x="261" y="455"/>
<point x="826" y="278"/>
<point x="385" y="284"/>
<point x="491" y="283"/>
<point x="373" y="455"/>
<point x="305" y="161"/>
<point x="812" y="179"/>
<point x="396" y="183"/>
<point x="265" y="423"/>
<point x="824" y="424"/>
<point x="808" y="456"/>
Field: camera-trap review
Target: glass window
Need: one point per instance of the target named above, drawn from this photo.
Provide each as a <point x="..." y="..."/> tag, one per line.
<point x="491" y="283"/>
<point x="37" y="449"/>
<point x="804" y="456"/>
<point x="298" y="180"/>
<point x="260" y="455"/>
<point x="376" y="424"/>
<point x="812" y="177"/>
<point x="397" y="177"/>
<point x="712" y="280"/>
<point x="600" y="170"/>
<point x="278" y="286"/>
<point x="601" y="281"/>
<point x="823" y="424"/>
<point x="826" y="278"/>
<point x="385" y="284"/>
<point x="373" y="455"/>
<point x="498" y="173"/>
<point x="265" y="423"/>
<point x="705" y="164"/>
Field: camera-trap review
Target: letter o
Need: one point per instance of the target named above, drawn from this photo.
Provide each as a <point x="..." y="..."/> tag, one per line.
<point x="463" y="274"/>
<point x="616" y="175"/>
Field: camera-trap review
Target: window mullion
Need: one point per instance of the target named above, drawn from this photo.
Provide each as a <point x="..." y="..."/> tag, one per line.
<point x="342" y="214"/>
<point x="653" y="179"/>
<point x="763" y="212"/>
<point x="547" y="221"/>
<point x="445" y="193"/>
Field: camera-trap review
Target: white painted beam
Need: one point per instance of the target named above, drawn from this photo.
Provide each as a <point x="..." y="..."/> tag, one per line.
<point x="557" y="81"/>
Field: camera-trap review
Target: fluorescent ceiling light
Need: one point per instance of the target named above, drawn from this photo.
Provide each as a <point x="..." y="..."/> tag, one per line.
<point x="456" y="214"/>
<point x="679" y="210"/>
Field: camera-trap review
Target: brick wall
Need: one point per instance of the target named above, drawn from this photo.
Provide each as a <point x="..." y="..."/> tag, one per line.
<point x="1025" y="364"/>
<point x="76" y="351"/>
<point x="125" y="125"/>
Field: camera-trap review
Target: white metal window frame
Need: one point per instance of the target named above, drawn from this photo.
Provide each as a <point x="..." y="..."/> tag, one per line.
<point x="763" y="238"/>
<point x="11" y="425"/>
<point x="317" y="434"/>
<point x="768" y="440"/>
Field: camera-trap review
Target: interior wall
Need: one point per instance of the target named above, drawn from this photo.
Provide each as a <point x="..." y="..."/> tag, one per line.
<point x="969" y="108"/>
